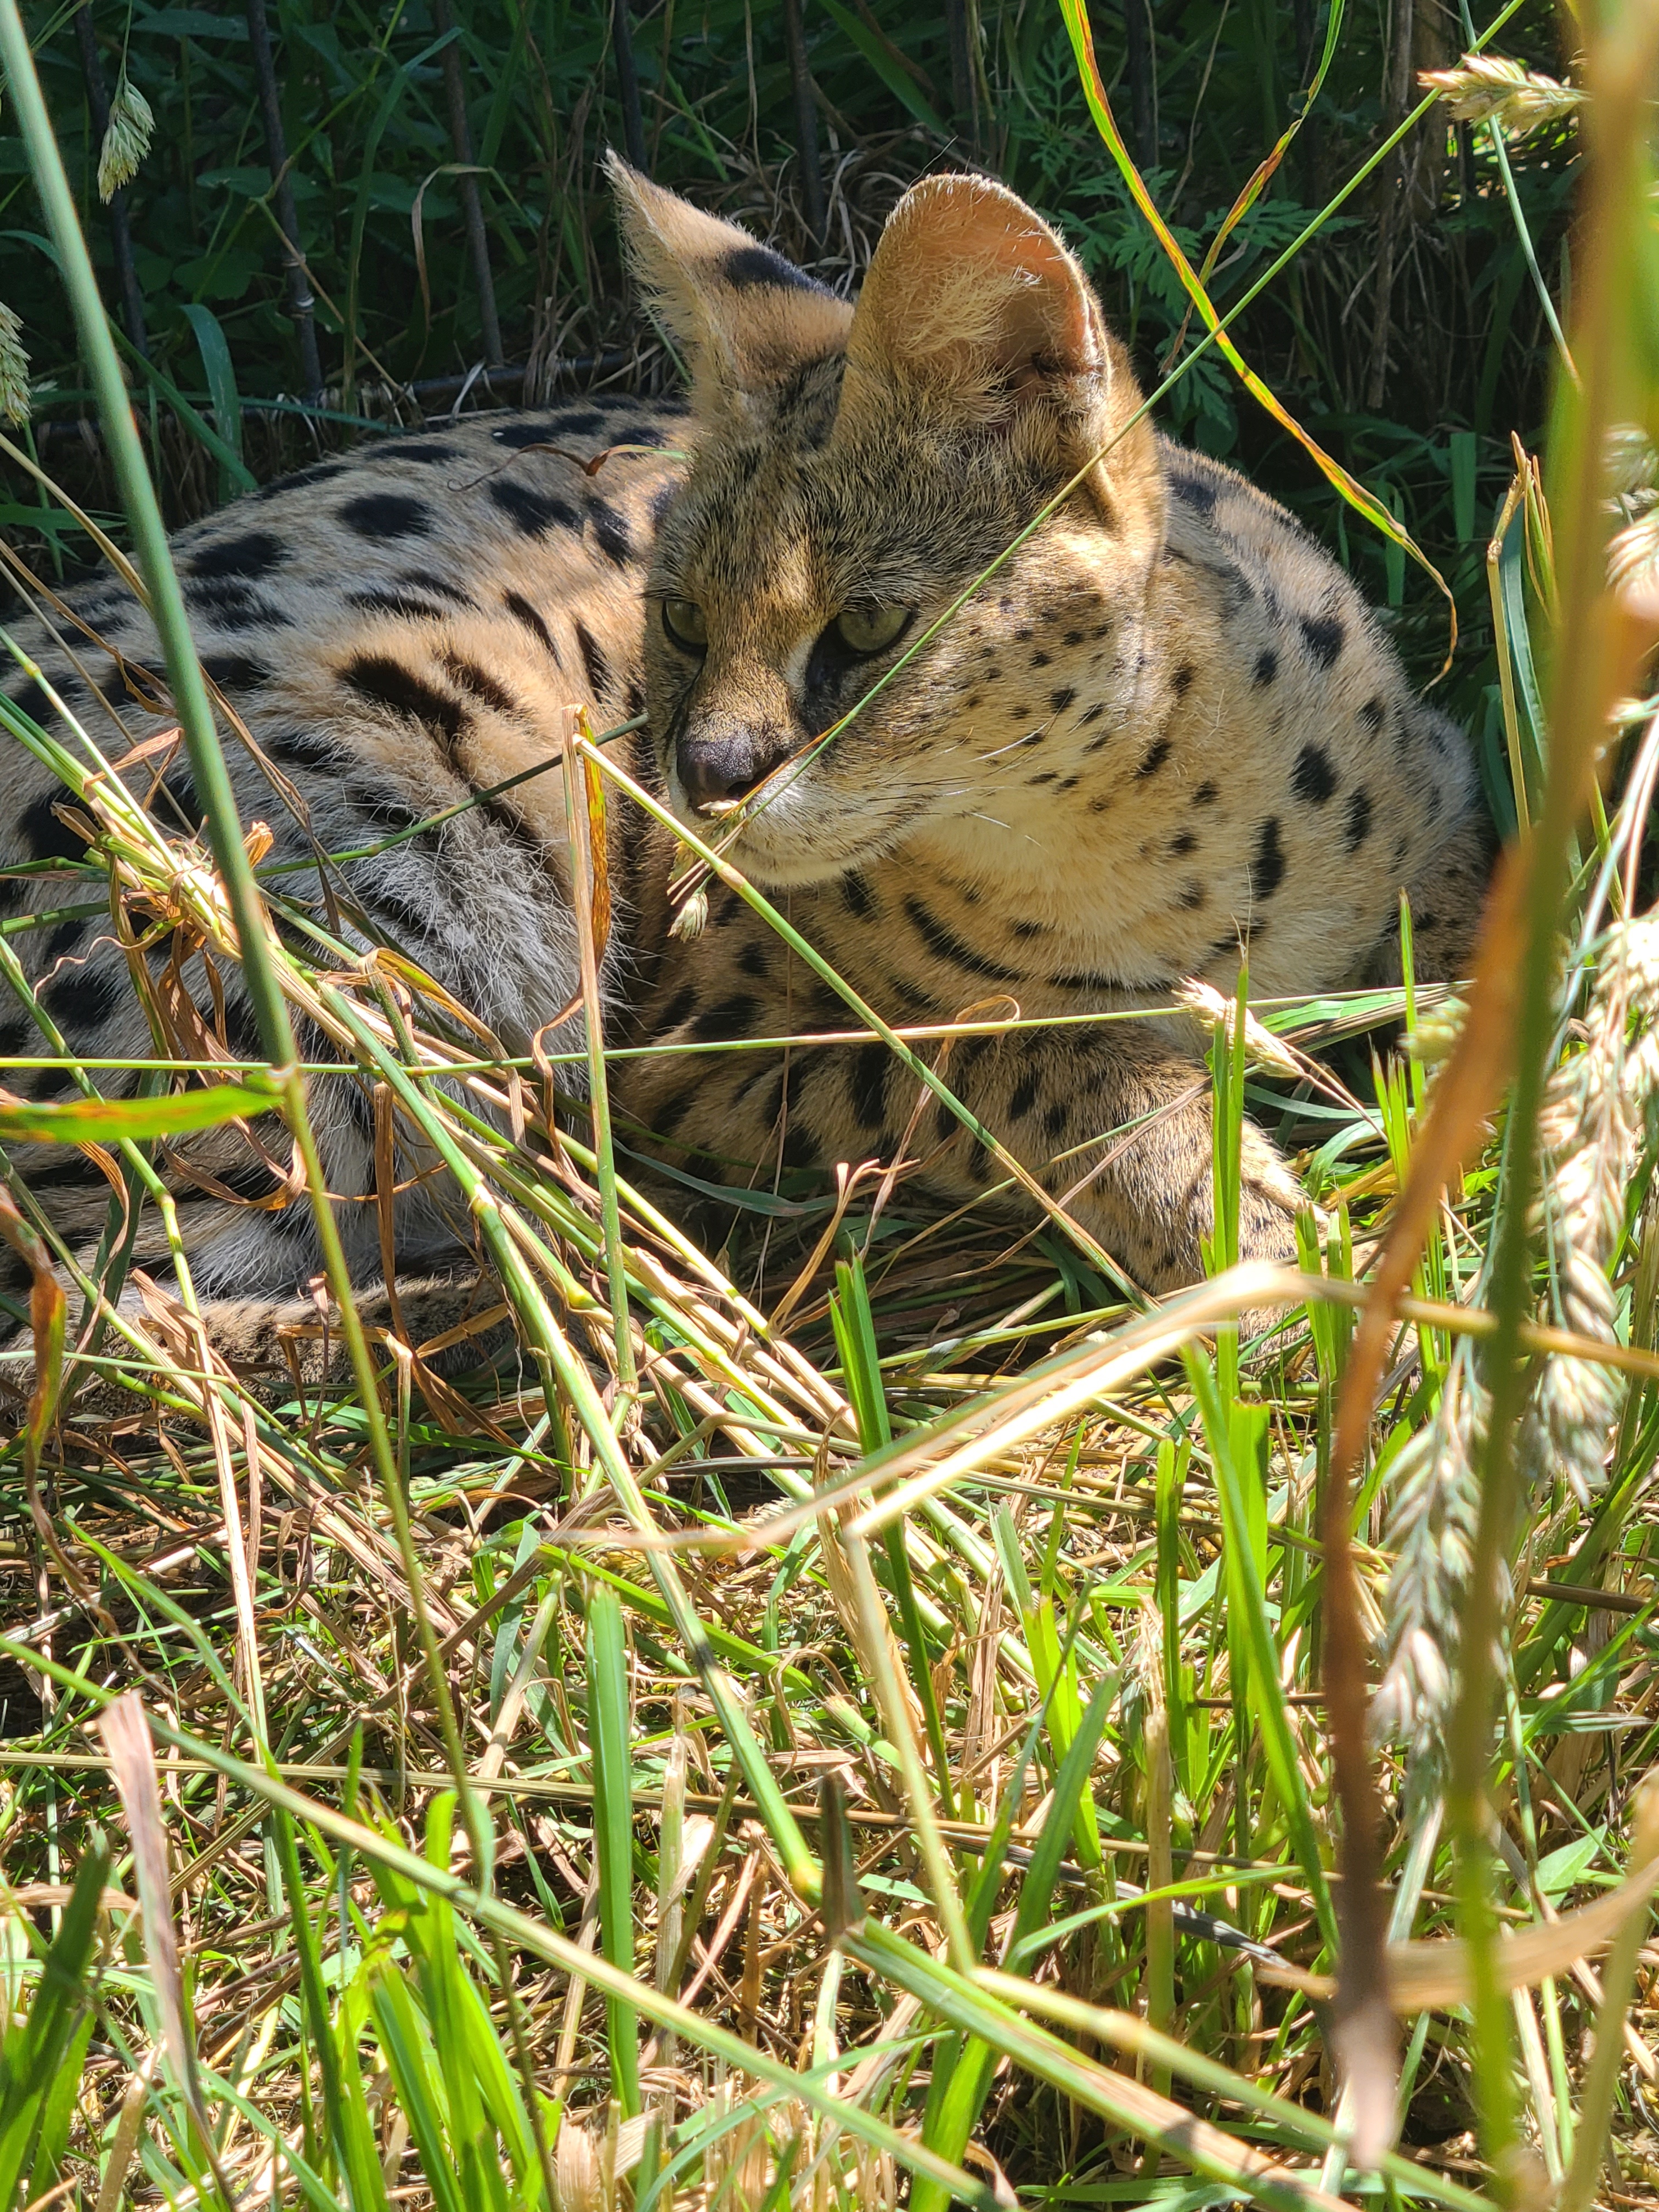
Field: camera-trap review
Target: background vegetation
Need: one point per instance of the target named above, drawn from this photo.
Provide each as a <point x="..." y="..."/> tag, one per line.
<point x="451" y="1745"/>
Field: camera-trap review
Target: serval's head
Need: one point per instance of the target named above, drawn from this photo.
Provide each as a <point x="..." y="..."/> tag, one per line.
<point x="855" y="468"/>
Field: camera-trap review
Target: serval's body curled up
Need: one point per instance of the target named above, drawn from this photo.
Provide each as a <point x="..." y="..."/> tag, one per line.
<point x="1165" y="727"/>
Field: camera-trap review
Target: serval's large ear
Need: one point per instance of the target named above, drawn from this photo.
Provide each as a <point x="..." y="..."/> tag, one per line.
<point x="741" y="316"/>
<point x="975" y="313"/>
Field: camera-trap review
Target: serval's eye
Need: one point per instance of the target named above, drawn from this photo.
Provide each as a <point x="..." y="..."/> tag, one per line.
<point x="865" y="630"/>
<point x="686" y="623"/>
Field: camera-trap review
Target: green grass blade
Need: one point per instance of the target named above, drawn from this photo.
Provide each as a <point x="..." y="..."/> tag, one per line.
<point x="609" y="1724"/>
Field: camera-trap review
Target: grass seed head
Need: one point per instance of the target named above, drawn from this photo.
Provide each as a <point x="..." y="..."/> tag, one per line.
<point x="1490" y="89"/>
<point x="126" y="141"/>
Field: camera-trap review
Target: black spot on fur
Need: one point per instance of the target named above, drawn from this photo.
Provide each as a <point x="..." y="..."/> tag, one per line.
<point x="1325" y="638"/>
<point x="1182" y="682"/>
<point x="410" y="449"/>
<point x="46" y="838"/>
<point x="1093" y="714"/>
<point x="521" y="611"/>
<point x="610" y="532"/>
<point x="676" y="1009"/>
<point x="536" y="513"/>
<point x="594" y="660"/>
<point x="388" y="514"/>
<point x="1031" y="929"/>
<point x="406" y="606"/>
<point x="1025" y="1096"/>
<point x="82" y="1000"/>
<point x="1267" y="870"/>
<point x="436" y="587"/>
<point x="1061" y="700"/>
<point x="1371" y="715"/>
<point x="1267" y="665"/>
<point x="387" y="683"/>
<point x="479" y="683"/>
<point x="1153" y="758"/>
<point x="747" y="266"/>
<point x="869" y="1084"/>
<point x="1359" y="821"/>
<point x="32" y="700"/>
<point x="1193" y="895"/>
<point x="1206" y="793"/>
<point x="300" y="749"/>
<point x="66" y="938"/>
<point x="1313" y="779"/>
<point x="235" y="672"/>
<point x="1054" y="1120"/>
<point x="670" y="1113"/>
<point x="855" y="896"/>
<point x="1183" y="842"/>
<point x="752" y="959"/>
<point x="728" y="1019"/>
<point x="253" y="553"/>
<point x="945" y="944"/>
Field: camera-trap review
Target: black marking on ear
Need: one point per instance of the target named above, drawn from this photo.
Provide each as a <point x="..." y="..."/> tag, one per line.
<point x="252" y="554"/>
<point x="599" y="677"/>
<point x="1153" y="758"/>
<point x="856" y="897"/>
<point x="235" y="672"/>
<point x="746" y="267"/>
<point x="945" y="944"/>
<point x="868" y="1084"/>
<point x="1313" y="779"/>
<point x="536" y="513"/>
<point x="1268" y="869"/>
<point x="1193" y="492"/>
<point x="46" y="838"/>
<point x="1359" y="821"/>
<point x="479" y="683"/>
<point x="1325" y="638"/>
<point x="1266" y="666"/>
<point x="388" y="514"/>
<point x="387" y="683"/>
<point x="82" y="998"/>
<point x="521" y="611"/>
<point x="611" y="533"/>
<point x="727" y="1020"/>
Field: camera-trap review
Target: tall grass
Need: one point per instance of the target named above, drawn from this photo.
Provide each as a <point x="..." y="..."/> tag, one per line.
<point x="898" y="1750"/>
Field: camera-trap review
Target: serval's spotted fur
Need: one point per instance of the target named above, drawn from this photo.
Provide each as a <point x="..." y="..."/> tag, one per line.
<point x="1164" y="729"/>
